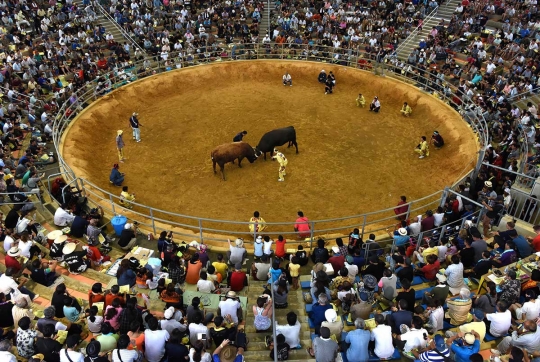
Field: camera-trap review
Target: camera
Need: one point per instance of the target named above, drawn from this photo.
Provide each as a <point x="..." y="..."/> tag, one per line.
<point x="201" y="336"/>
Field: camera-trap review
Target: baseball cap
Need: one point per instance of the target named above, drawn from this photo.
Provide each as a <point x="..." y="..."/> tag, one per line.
<point x="439" y="343"/>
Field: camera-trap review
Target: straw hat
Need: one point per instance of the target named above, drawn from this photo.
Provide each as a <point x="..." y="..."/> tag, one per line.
<point x="69" y="248"/>
<point x="14" y="252"/>
<point x="239" y="242"/>
<point x="228" y="354"/>
<point x="231" y="294"/>
<point x="54" y="234"/>
<point x="61" y="239"/>
<point x="119" y="132"/>
<point x="402" y="231"/>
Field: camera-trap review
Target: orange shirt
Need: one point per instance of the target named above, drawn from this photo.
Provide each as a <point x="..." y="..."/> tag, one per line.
<point x="95" y="298"/>
<point x="110" y="297"/>
<point x="139" y="342"/>
<point x="193" y="270"/>
<point x="280" y="248"/>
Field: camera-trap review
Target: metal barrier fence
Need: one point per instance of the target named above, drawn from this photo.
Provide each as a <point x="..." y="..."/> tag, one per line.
<point x="209" y="229"/>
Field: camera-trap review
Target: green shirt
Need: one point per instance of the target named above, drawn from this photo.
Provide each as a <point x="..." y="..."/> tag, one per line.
<point x="26" y="177"/>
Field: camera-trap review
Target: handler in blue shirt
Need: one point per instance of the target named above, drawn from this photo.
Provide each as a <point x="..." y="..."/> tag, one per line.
<point x="359" y="340"/>
<point x="466" y="345"/>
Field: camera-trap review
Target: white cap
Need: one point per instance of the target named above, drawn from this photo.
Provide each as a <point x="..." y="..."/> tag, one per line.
<point x="330" y="315"/>
<point x="127" y="226"/>
<point x="169" y="313"/>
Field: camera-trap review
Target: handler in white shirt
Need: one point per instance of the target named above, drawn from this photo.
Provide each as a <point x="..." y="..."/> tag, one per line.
<point x="287" y="80"/>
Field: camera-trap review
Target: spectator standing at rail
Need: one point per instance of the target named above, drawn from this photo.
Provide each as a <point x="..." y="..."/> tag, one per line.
<point x="302" y="226"/>
<point x="135" y="126"/>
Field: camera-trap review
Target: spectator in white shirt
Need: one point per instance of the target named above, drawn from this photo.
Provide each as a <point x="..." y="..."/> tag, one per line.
<point x="62" y="217"/>
<point x="500" y="320"/>
<point x="230" y="306"/>
<point x="154" y="341"/>
<point x="196" y="327"/>
<point x="122" y="354"/>
<point x="204" y="285"/>
<point x="291" y="330"/>
<point x="530" y="310"/>
<point x="416" y="337"/>
<point x="170" y="323"/>
<point x="382" y="335"/>
<point x="70" y="354"/>
<point x="5" y="351"/>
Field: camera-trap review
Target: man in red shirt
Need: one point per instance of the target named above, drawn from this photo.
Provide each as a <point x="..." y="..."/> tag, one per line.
<point x="302" y="226"/>
<point x="237" y="279"/>
<point x="115" y="289"/>
<point x="536" y="241"/>
<point x="429" y="271"/>
<point x="280" y="246"/>
<point x="94" y="254"/>
<point x="337" y="260"/>
<point x="402" y="208"/>
<point x="12" y="260"/>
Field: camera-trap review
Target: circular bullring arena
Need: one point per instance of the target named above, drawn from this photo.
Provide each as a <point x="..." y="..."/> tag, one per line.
<point x="350" y="161"/>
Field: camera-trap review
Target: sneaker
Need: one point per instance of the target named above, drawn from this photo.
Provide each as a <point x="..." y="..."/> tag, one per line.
<point x="139" y="141"/>
<point x="421" y="157"/>
<point x="495" y="352"/>
<point x="267" y="341"/>
<point x="280" y="180"/>
<point x="290" y="85"/>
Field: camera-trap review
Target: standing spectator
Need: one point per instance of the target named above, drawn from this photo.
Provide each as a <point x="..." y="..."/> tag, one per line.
<point x="402" y="208"/>
<point x="324" y="348"/>
<point x="135" y="126"/>
<point x="154" y="341"/>
<point x="294" y="271"/>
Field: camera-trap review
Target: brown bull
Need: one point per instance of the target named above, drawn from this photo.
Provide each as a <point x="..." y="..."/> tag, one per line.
<point x="229" y="152"/>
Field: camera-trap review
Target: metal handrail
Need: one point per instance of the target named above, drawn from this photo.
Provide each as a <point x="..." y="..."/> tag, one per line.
<point x="86" y="95"/>
<point x="117" y="26"/>
<point x="416" y="30"/>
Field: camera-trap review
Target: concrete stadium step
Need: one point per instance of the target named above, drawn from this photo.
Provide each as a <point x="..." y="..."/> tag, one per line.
<point x="259" y="337"/>
<point x="294" y="355"/>
<point x="260" y="346"/>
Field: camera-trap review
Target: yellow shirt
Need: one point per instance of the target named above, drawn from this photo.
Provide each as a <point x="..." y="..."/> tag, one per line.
<point x="428" y="251"/>
<point x="478" y="327"/>
<point x="361" y="99"/>
<point x="127" y="196"/>
<point x="221" y="268"/>
<point x="424" y="146"/>
<point x="294" y="269"/>
<point x="259" y="222"/>
<point x="407" y="109"/>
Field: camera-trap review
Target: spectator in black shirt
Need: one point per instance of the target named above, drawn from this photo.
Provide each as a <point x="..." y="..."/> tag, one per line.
<point x="404" y="269"/>
<point x="283" y="348"/>
<point x="467" y="254"/>
<point x="482" y="266"/>
<point x="6" y="316"/>
<point x="407" y="294"/>
<point x="127" y="237"/>
<point x="221" y="332"/>
<point x="174" y="348"/>
<point x="11" y="219"/>
<point x="320" y="253"/>
<point x="79" y="226"/>
<point x="400" y="316"/>
<point x="47" y="346"/>
<point x="376" y="268"/>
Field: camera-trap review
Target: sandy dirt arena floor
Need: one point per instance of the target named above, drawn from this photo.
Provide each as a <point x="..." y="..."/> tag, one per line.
<point x="351" y="161"/>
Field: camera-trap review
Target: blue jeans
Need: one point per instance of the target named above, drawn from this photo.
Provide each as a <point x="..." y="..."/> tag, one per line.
<point x="137" y="134"/>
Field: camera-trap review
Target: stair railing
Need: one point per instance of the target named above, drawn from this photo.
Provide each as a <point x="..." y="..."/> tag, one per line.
<point x="274" y="336"/>
<point x="124" y="33"/>
<point x="415" y="32"/>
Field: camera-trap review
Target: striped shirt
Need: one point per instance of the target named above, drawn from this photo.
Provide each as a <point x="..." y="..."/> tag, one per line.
<point x="433" y="356"/>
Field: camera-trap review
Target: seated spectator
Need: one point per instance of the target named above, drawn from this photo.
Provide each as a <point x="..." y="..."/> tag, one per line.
<point x="388" y="286"/>
<point x="62" y="217"/>
<point x="477" y="325"/>
<point x="71" y="313"/>
<point x="434" y="351"/>
<point x="124" y="354"/>
<point x="464" y="351"/>
<point x="262" y="313"/>
<point x="333" y="324"/>
<point x="415" y="337"/>
<point x="407" y="293"/>
<point x="71" y="351"/>
<point x="94" y="321"/>
<point x="290" y="331"/>
<point x="508" y="256"/>
<point x="47" y="345"/>
<point x="112" y="314"/>
<point x="510" y="288"/>
<point x="525" y="337"/>
<point x="107" y="339"/>
<point x="21" y="309"/>
<point x="501" y="320"/>
<point x="154" y="341"/>
<point x="170" y="296"/>
<point x="231" y="306"/>
<point x="44" y="272"/>
<point x="320" y="286"/>
<point x="324" y="348"/>
<point x="375" y="267"/>
<point x="341" y="278"/>
<point x="128" y="239"/>
<point x="430" y="270"/>
<point x="198" y="352"/>
<point x="237" y="280"/>
<point x="459" y="307"/>
<point x="8" y="283"/>
<point x="454" y="275"/>
<point x="382" y="336"/>
<point x="281" y="292"/>
<point x="280" y="247"/>
<point x="204" y="285"/>
<point x="362" y="308"/>
<point x="317" y="314"/>
<point x="221" y="267"/>
<point x="237" y="253"/>
<point x="196" y="327"/>
<point x="95" y="295"/>
<point x="227" y="352"/>
<point x="320" y="253"/>
<point x="223" y="329"/>
<point x="194" y="267"/>
<point x="76" y="260"/>
<point x="6" y="314"/>
<point x="260" y="269"/>
<point x="399" y="316"/>
<point x="125" y="275"/>
<point x="302" y="255"/>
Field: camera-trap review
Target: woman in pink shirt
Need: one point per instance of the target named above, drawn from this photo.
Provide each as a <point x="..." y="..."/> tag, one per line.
<point x="112" y="313"/>
<point x="302" y="226"/>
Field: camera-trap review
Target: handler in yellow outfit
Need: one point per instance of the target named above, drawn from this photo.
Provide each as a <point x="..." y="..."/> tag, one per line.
<point x="406" y="110"/>
<point x="120" y="145"/>
<point x="360" y="100"/>
<point x="423" y="148"/>
<point x="280" y="157"/>
<point x="126" y="199"/>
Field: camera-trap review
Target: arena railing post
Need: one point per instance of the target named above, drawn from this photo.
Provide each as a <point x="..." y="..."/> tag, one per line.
<point x="443" y="197"/>
<point x="312" y="231"/>
<point x="363" y="226"/>
<point x="152" y="218"/>
<point x="200" y="230"/>
<point x="112" y="204"/>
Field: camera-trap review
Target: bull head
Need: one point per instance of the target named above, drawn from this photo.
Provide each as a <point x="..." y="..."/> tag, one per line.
<point x="257" y="152"/>
<point x="252" y="158"/>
